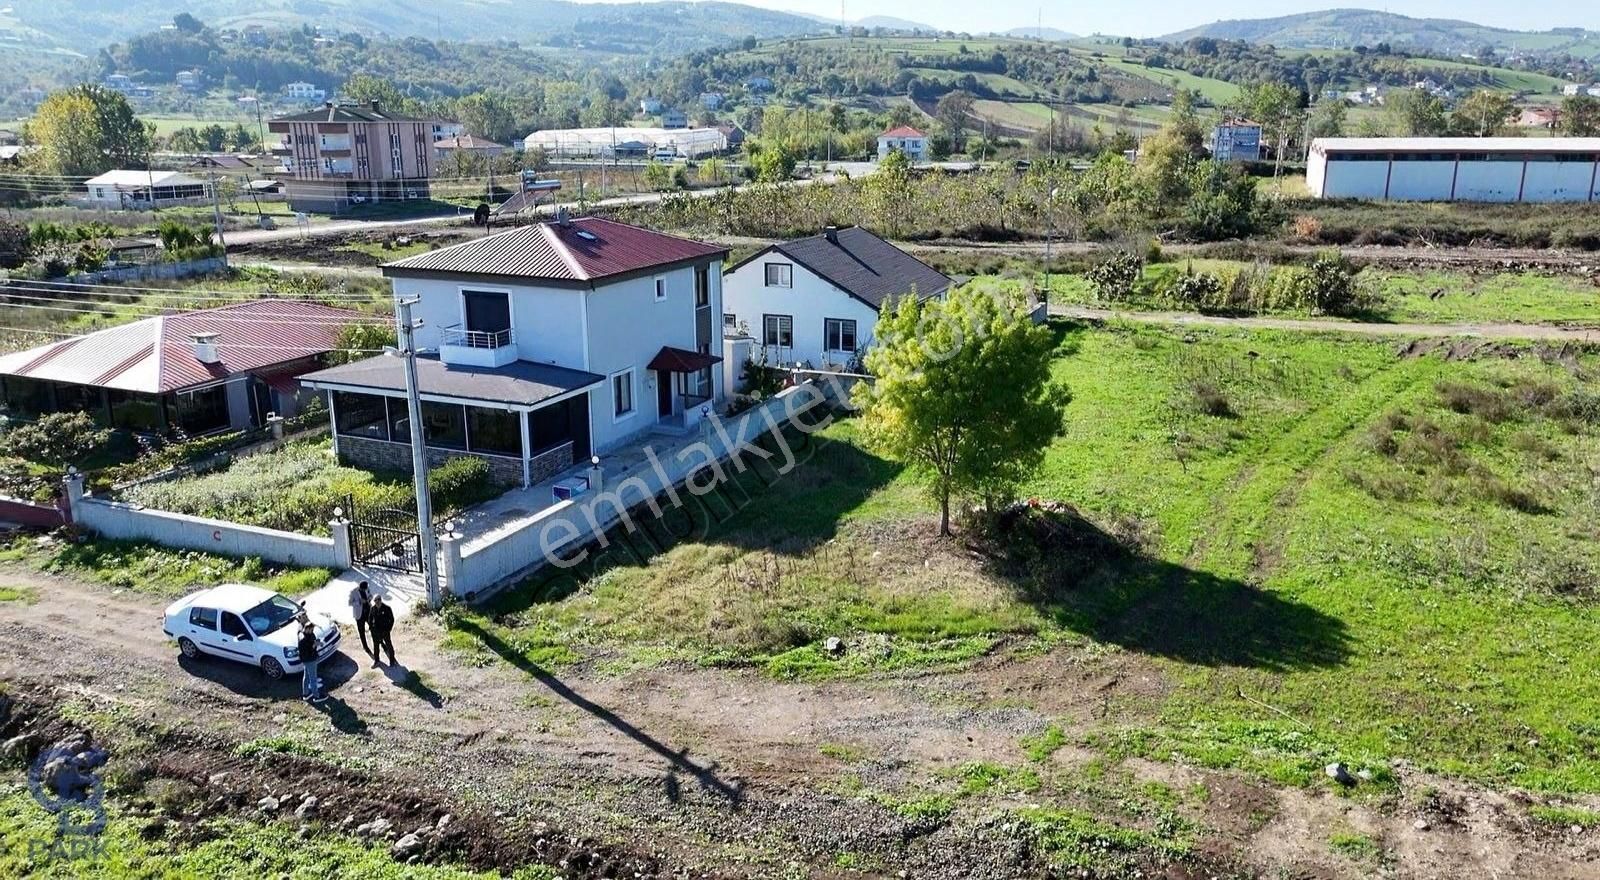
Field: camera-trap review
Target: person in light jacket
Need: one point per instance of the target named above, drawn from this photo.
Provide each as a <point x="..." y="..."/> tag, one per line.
<point x="360" y="602"/>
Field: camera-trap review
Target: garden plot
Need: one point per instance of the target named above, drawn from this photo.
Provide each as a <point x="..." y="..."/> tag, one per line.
<point x="296" y="488"/>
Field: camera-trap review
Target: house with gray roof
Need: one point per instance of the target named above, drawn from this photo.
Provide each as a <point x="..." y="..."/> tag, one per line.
<point x="816" y="300"/>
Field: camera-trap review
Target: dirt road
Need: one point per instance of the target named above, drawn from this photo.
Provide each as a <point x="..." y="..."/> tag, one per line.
<point x="1193" y="319"/>
<point x="683" y="771"/>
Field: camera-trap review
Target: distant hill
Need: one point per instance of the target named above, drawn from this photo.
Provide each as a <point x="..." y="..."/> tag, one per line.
<point x="669" y="26"/>
<point x="1347" y="28"/>
<point x="1033" y="33"/>
<point x="890" y="23"/>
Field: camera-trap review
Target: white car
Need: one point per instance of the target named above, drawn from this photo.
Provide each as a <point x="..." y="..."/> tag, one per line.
<point x="248" y="625"/>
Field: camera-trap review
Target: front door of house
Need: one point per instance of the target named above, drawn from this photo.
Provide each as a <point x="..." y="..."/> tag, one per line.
<point x="663" y="393"/>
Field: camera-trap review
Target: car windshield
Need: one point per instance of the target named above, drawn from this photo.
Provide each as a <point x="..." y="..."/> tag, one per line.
<point x="270" y="615"/>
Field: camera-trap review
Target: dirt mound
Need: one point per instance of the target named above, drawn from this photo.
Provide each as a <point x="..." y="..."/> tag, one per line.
<point x="180" y="779"/>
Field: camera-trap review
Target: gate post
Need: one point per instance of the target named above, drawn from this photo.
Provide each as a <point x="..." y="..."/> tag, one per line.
<point x="343" y="553"/>
<point x="450" y="564"/>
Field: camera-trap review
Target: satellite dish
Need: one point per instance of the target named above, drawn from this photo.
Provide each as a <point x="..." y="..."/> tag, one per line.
<point x="480" y="217"/>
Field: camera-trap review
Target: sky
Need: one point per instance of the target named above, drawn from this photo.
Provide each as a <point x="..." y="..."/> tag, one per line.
<point x="1151" y="18"/>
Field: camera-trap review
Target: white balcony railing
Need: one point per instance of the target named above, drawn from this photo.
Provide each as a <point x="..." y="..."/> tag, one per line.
<point x="483" y="348"/>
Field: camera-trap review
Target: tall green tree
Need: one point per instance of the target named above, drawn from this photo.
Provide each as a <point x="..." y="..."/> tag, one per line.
<point x="87" y="130"/>
<point x="1482" y="114"/>
<point x="1415" y="113"/>
<point x="963" y="395"/>
<point x="364" y="89"/>
<point x="1329" y="118"/>
<point x="1277" y="106"/>
<point x="953" y="112"/>
<point x="1580" y="116"/>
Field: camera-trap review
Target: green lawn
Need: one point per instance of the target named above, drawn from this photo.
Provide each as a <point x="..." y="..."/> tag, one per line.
<point x="149" y="569"/>
<point x="1399" y="566"/>
<point x="1215" y="90"/>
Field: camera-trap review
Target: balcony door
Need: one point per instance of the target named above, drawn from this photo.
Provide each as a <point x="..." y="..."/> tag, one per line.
<point x="486" y="311"/>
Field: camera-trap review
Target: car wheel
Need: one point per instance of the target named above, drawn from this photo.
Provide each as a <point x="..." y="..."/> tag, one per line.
<point x="272" y="668"/>
<point x="190" y="649"/>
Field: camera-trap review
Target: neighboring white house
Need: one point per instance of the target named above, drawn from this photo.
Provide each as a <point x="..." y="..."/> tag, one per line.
<point x="672" y="118"/>
<point x="816" y="300"/>
<point x="1515" y="169"/>
<point x="650" y="105"/>
<point x="905" y="139"/>
<point x="127" y="188"/>
<point x="304" y="92"/>
<point x="553" y="342"/>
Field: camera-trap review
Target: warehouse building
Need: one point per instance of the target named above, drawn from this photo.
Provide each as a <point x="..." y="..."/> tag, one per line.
<point x="1456" y="169"/>
<point x="622" y="143"/>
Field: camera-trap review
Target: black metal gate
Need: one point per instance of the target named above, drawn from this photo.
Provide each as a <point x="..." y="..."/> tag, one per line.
<point x="385" y="537"/>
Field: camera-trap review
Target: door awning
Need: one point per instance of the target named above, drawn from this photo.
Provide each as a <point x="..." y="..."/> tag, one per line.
<point x="676" y="360"/>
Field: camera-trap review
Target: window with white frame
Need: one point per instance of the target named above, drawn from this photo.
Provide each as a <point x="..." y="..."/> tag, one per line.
<point x="661" y="290"/>
<point x="839" y="334"/>
<point x="730" y="321"/>
<point x="780" y="275"/>
<point x="622" y="394"/>
<point x="777" y="330"/>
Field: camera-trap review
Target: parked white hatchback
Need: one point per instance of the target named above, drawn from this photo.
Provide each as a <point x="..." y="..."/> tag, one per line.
<point x="249" y="625"/>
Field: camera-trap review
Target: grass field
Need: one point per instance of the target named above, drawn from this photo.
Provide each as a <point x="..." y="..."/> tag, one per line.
<point x="1215" y="90"/>
<point x="1386" y="551"/>
<point x="1419" y="297"/>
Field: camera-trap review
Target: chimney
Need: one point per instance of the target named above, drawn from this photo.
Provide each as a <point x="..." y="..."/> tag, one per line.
<point x="327" y="105"/>
<point x="376" y="108"/>
<point x="205" y="347"/>
<point x="831" y="233"/>
<point x="562" y="217"/>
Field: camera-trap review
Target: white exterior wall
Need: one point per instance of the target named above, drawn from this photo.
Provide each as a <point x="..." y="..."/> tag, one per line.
<point x="627" y="327"/>
<point x="545" y="321"/>
<point x="128" y="522"/>
<point x="1562" y="181"/>
<point x="1355" y="180"/>
<point x="1489" y="181"/>
<point x="1447" y="179"/>
<point x="1418" y="181"/>
<point x="811" y="300"/>
<point x="914" y="148"/>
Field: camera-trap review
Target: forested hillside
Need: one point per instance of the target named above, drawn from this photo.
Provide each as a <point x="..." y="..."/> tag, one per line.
<point x="1348" y="28"/>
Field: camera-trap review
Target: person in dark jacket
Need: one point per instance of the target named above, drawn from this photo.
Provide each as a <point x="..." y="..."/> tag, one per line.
<point x="380" y="619"/>
<point x="310" y="682"/>
<point x="360" y="606"/>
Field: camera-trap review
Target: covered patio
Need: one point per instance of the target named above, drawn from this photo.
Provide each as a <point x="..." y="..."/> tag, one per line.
<point x="683" y="385"/>
<point x="528" y="421"/>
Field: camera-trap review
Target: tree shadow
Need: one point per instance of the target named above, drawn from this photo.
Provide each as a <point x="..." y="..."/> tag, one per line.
<point x="765" y="506"/>
<point x="1100" y="584"/>
<point x="678" y="761"/>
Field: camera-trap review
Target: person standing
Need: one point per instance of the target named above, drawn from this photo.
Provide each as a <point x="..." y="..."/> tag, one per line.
<point x="381" y="620"/>
<point x="360" y="609"/>
<point x="310" y="682"/>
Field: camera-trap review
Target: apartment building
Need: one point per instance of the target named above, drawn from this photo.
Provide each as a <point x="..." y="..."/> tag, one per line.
<point x="342" y="155"/>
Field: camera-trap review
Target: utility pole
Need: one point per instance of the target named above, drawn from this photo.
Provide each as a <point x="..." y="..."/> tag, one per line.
<point x="419" y="451"/>
<point x="216" y="216"/>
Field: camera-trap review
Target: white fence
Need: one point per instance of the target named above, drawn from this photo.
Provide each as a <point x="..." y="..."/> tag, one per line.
<point x="131" y="522"/>
<point x="571" y="524"/>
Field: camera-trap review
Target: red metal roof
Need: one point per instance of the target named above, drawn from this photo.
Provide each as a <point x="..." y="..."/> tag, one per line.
<point x="586" y="249"/>
<point x="903" y="131"/>
<point x="156" y="355"/>
<point x="677" y="360"/>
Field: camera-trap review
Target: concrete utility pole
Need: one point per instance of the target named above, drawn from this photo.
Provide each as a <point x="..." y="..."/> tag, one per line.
<point x="419" y="451"/>
<point x="216" y="217"/>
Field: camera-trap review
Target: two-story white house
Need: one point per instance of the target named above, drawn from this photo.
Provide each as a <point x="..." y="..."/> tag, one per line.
<point x="904" y="139"/>
<point x="816" y="300"/>
<point x="540" y="347"/>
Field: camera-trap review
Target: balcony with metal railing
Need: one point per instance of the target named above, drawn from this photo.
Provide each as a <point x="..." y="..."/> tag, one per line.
<point x="479" y="348"/>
